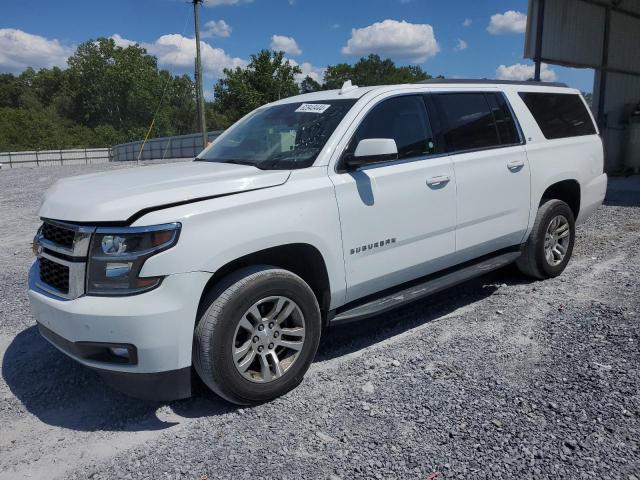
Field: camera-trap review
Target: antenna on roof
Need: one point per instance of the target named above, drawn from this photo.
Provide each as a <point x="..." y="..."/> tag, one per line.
<point x="347" y="87"/>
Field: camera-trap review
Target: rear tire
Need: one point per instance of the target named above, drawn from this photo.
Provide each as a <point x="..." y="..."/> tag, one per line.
<point x="257" y="335"/>
<point x="550" y="244"/>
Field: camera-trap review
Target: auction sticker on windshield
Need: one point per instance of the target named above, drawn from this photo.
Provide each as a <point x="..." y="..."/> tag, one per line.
<point x="312" y="108"/>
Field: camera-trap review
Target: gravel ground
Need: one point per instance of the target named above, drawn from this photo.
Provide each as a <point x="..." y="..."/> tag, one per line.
<point x="498" y="378"/>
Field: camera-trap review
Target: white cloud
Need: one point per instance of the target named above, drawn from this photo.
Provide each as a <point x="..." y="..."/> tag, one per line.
<point x="122" y="42"/>
<point x="521" y="71"/>
<point x="216" y="28"/>
<point x="19" y="50"/>
<point x="461" y="45"/>
<point x="467" y="22"/>
<point x="334" y="26"/>
<point x="280" y="43"/>
<point x="216" y="3"/>
<point x="317" y="73"/>
<point x="392" y="38"/>
<point x="176" y="52"/>
<point x="507" y="22"/>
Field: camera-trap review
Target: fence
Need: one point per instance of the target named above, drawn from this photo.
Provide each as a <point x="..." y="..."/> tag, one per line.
<point x="183" y="146"/>
<point x="41" y="158"/>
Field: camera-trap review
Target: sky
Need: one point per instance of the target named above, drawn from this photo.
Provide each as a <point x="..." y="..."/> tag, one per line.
<point x="454" y="38"/>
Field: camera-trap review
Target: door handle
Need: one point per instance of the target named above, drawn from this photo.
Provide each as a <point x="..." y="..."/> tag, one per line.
<point x="515" y="164"/>
<point x="437" y="181"/>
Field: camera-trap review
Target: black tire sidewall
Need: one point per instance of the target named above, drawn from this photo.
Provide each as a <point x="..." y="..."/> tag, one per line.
<point x="558" y="208"/>
<point x="226" y="376"/>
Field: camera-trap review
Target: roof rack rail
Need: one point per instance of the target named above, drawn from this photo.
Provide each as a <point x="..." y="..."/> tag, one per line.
<point x="500" y="82"/>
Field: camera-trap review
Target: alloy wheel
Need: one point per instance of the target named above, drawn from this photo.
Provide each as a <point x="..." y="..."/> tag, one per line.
<point x="268" y="339"/>
<point x="556" y="240"/>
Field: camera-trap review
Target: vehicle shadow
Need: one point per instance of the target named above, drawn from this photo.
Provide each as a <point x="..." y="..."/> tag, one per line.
<point x="61" y="392"/>
<point x="622" y="199"/>
<point x="347" y="338"/>
<point x="623" y="192"/>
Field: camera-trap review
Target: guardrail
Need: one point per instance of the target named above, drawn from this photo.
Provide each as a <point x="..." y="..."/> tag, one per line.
<point x="180" y="146"/>
<point x="41" y="158"/>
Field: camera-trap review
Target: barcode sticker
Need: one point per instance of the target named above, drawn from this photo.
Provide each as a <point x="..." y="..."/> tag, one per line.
<point x="312" y="108"/>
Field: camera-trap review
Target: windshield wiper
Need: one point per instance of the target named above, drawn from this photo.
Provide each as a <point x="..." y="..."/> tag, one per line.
<point x="235" y="161"/>
<point x="242" y="162"/>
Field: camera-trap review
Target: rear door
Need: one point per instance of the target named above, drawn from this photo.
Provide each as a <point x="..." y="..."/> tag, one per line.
<point x="397" y="217"/>
<point x="492" y="173"/>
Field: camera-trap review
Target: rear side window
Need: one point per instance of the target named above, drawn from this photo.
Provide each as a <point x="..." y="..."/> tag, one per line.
<point x="504" y="119"/>
<point x="559" y="115"/>
<point x="469" y="122"/>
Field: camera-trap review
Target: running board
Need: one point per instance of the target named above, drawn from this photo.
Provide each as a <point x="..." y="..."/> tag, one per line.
<point x="433" y="284"/>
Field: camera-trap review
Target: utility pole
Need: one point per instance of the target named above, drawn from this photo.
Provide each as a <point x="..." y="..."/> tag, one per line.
<point x="199" y="88"/>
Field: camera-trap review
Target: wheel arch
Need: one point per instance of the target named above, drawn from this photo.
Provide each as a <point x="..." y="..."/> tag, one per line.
<point x="303" y="259"/>
<point x="566" y="190"/>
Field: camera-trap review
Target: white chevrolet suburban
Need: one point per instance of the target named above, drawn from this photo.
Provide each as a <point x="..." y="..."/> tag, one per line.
<point x="318" y="209"/>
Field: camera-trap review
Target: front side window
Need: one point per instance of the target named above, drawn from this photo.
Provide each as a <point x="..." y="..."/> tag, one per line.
<point x="559" y="115"/>
<point x="285" y="136"/>
<point x="470" y="125"/>
<point x="404" y="119"/>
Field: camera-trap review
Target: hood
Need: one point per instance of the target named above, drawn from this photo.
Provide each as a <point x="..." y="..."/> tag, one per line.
<point x="117" y="195"/>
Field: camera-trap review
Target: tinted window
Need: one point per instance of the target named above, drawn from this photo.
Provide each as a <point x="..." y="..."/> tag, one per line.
<point x="469" y="121"/>
<point x="402" y="118"/>
<point x="505" y="124"/>
<point x="559" y="115"/>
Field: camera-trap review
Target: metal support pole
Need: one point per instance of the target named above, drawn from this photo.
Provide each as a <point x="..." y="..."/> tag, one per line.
<point x="539" y="27"/>
<point x="199" y="87"/>
<point x="37" y="159"/>
<point x="603" y="71"/>
<point x="10" y="161"/>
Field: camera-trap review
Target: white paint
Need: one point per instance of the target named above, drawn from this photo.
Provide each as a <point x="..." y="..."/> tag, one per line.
<point x="436" y="212"/>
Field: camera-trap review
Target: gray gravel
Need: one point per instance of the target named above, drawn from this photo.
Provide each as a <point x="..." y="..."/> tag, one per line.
<point x="497" y="378"/>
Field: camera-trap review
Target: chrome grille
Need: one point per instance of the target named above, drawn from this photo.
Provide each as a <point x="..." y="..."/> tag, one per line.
<point x="63" y="257"/>
<point x="54" y="275"/>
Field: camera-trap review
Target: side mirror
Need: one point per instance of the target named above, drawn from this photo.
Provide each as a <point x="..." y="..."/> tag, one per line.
<point x="372" y="150"/>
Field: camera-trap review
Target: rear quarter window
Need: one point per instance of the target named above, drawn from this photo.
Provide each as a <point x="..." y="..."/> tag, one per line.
<point x="559" y="115"/>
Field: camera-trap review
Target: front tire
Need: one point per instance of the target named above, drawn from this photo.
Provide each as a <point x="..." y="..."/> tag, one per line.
<point x="550" y="245"/>
<point x="257" y="335"/>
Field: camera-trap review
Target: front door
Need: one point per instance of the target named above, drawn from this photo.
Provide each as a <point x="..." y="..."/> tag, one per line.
<point x="398" y="217"/>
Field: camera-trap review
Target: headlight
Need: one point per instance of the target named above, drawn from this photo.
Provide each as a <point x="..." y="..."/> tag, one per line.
<point x="116" y="256"/>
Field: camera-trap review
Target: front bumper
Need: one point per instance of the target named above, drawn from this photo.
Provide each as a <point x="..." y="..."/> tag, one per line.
<point x="157" y="326"/>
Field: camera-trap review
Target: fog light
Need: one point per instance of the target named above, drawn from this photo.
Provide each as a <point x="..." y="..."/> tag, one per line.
<point x="119" y="352"/>
<point x="119" y="269"/>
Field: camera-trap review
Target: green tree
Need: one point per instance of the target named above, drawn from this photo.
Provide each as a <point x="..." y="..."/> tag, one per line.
<point x="309" y="85"/>
<point x="108" y="95"/>
<point x="112" y="85"/>
<point x="10" y="90"/>
<point x="267" y="78"/>
<point x="372" y="70"/>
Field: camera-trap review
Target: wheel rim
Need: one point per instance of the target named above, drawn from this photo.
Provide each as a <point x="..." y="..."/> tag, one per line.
<point x="556" y="240"/>
<point x="268" y="339"/>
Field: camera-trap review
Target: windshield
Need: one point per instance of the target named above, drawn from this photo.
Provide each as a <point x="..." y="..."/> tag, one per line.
<point x="280" y="137"/>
